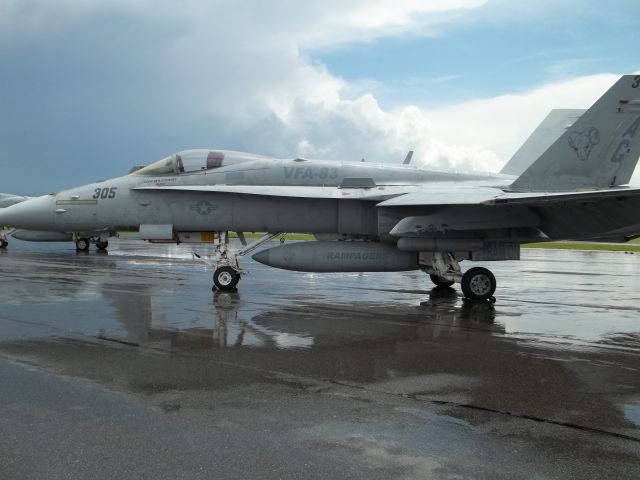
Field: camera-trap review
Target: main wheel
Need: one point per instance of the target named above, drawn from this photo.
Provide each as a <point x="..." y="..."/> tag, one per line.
<point x="478" y="283"/>
<point x="82" y="245"/>
<point x="226" y="278"/>
<point x="441" y="282"/>
<point x="4" y="244"/>
<point x="102" y="245"/>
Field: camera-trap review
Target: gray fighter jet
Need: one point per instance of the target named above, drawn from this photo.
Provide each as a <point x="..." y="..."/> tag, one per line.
<point x="367" y="217"/>
<point x="553" y="125"/>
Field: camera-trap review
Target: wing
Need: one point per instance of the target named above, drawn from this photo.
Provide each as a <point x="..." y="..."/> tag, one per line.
<point x="377" y="193"/>
<point x="418" y="210"/>
<point x="491" y="212"/>
<point x="496" y="196"/>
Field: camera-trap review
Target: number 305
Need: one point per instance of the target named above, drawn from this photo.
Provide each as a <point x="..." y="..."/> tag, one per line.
<point x="105" y="192"/>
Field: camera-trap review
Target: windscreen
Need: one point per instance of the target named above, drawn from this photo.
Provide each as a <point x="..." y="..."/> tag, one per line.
<point x="166" y="166"/>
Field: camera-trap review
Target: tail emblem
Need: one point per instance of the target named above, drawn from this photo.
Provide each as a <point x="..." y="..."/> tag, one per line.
<point x="582" y="142"/>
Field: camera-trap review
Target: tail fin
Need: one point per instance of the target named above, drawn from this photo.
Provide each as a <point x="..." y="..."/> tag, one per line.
<point x="600" y="150"/>
<point x="549" y="130"/>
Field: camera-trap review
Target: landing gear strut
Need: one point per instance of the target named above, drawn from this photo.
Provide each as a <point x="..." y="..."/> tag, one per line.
<point x="227" y="271"/>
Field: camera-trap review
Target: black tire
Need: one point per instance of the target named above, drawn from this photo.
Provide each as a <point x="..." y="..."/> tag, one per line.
<point x="4" y="244"/>
<point x="82" y="245"/>
<point x="441" y="282"/>
<point x="102" y="245"/>
<point x="478" y="283"/>
<point x="226" y="278"/>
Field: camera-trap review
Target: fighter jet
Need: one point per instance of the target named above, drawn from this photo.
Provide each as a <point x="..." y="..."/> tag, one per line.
<point x="367" y="217"/>
<point x="553" y="125"/>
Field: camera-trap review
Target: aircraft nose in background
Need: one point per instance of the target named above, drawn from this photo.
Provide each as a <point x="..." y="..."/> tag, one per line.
<point x="35" y="213"/>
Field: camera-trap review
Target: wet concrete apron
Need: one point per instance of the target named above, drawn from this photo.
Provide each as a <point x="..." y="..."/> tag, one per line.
<point x="126" y="365"/>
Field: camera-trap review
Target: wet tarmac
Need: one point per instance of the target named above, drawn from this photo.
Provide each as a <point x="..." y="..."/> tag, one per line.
<point x="127" y="365"/>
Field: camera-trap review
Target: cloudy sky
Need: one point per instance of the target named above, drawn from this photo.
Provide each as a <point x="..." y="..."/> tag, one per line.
<point x="89" y="88"/>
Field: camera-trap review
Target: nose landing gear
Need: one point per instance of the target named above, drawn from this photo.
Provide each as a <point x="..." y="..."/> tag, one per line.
<point x="84" y="240"/>
<point x="227" y="271"/>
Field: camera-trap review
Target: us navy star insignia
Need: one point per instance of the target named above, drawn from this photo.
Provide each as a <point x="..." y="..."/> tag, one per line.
<point x="203" y="207"/>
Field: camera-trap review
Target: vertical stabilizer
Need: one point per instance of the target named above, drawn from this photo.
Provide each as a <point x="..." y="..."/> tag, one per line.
<point x="553" y="125"/>
<point x="600" y="150"/>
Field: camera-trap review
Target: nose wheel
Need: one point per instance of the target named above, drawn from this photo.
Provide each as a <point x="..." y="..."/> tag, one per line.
<point x="227" y="271"/>
<point x="226" y="278"/>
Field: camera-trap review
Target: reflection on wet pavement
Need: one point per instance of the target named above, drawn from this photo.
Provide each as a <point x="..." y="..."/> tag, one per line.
<point x="561" y="345"/>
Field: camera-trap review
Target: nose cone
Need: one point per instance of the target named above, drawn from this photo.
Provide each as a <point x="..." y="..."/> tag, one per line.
<point x="35" y="213"/>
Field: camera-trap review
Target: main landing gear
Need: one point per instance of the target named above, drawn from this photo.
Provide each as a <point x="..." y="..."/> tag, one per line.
<point x="83" y="242"/>
<point x="477" y="283"/>
<point x="227" y="271"/>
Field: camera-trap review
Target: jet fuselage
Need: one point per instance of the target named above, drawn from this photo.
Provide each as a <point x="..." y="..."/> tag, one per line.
<point x="123" y="203"/>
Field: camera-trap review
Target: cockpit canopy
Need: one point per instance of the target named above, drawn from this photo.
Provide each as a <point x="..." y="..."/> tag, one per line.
<point x="189" y="161"/>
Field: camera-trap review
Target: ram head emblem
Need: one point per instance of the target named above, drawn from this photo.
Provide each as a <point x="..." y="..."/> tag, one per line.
<point x="583" y="142"/>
